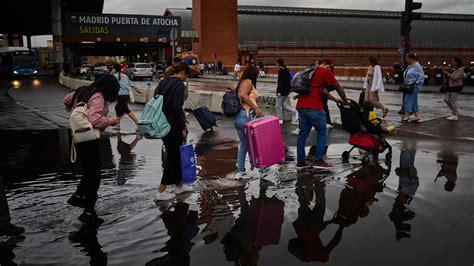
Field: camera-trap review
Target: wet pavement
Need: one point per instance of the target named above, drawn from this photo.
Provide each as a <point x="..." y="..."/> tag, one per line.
<point x="351" y="215"/>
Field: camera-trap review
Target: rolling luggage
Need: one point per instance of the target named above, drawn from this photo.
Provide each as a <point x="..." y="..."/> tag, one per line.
<point x="204" y="116"/>
<point x="264" y="142"/>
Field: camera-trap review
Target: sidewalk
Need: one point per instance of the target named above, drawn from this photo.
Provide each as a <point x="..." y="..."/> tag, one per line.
<point x="347" y="84"/>
<point x="462" y="130"/>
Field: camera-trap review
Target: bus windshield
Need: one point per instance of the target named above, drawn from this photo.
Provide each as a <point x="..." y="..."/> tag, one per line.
<point x="24" y="61"/>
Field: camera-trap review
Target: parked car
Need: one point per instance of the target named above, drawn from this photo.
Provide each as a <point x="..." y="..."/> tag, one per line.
<point x="139" y="70"/>
<point x="99" y="71"/>
<point x="85" y="68"/>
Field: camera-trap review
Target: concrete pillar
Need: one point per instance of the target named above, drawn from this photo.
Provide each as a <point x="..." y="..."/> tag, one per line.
<point x="10" y="39"/>
<point x="28" y="41"/>
<point x="57" y="36"/>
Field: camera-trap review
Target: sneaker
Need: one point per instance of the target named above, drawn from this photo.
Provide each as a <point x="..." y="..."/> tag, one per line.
<point x="183" y="189"/>
<point x="242" y="176"/>
<point x="92" y="218"/>
<point x="280" y="121"/>
<point x="11" y="230"/>
<point x="452" y="118"/>
<point x="303" y="164"/>
<point x="165" y="195"/>
<point x="390" y="128"/>
<point x="321" y="164"/>
<point x="329" y="126"/>
<point x="76" y="201"/>
<point x="295" y="119"/>
<point x="296" y="131"/>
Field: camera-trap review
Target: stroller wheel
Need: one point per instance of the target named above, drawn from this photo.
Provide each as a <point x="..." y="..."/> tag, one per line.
<point x="345" y="156"/>
<point x="365" y="160"/>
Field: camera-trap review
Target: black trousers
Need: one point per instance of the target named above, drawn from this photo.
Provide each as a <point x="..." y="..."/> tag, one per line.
<point x="172" y="165"/>
<point x="4" y="211"/>
<point x="89" y="153"/>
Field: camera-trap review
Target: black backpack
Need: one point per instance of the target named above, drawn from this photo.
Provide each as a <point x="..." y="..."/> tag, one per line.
<point x="231" y="104"/>
<point x="301" y="82"/>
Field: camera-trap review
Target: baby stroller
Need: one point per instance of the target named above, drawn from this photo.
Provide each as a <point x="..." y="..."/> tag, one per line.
<point x="363" y="134"/>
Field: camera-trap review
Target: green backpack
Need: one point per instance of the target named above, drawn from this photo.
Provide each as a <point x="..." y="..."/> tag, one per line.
<point x="153" y="123"/>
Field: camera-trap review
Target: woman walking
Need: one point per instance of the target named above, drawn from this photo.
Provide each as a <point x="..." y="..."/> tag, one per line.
<point x="373" y="85"/>
<point x="172" y="88"/>
<point x="121" y="108"/>
<point x="248" y="94"/>
<point x="414" y="77"/>
<point x="283" y="90"/>
<point x="455" y="86"/>
<point x="96" y="96"/>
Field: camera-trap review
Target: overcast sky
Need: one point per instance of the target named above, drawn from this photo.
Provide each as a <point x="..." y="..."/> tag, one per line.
<point x="157" y="7"/>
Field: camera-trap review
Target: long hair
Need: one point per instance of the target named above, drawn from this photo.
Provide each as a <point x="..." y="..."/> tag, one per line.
<point x="175" y="69"/>
<point x="373" y="59"/>
<point x="250" y="72"/>
<point x="107" y="85"/>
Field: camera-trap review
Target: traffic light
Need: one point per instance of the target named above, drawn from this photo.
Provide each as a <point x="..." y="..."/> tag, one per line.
<point x="409" y="7"/>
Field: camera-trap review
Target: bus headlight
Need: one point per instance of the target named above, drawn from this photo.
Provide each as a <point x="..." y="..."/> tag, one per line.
<point x="15" y="72"/>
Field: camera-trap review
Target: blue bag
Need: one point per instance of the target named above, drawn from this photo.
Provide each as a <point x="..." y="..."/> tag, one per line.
<point x="188" y="163"/>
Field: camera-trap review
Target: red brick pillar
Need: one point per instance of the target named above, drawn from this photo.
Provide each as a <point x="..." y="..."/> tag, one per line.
<point x="215" y="22"/>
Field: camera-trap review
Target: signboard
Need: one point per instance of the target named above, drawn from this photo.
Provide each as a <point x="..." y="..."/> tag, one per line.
<point x="114" y="25"/>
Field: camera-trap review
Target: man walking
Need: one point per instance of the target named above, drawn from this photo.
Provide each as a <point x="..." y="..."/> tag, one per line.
<point x="311" y="114"/>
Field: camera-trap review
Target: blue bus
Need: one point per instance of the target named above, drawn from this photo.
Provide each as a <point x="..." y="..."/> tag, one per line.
<point x="18" y="61"/>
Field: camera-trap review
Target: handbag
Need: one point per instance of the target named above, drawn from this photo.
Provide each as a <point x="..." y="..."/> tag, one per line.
<point x="188" y="163"/>
<point x="407" y="88"/>
<point x="81" y="128"/>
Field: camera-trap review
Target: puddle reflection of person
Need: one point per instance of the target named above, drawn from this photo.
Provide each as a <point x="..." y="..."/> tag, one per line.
<point x="308" y="246"/>
<point x="407" y="187"/>
<point x="86" y="237"/>
<point x="258" y="225"/>
<point x="6" y="228"/>
<point x="127" y="158"/>
<point x="449" y="164"/>
<point x="181" y="224"/>
<point x="359" y="193"/>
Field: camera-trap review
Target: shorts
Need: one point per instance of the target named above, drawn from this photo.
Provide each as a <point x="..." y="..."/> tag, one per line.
<point x="121" y="108"/>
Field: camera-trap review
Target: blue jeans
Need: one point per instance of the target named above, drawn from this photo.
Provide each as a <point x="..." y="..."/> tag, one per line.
<point x="239" y="121"/>
<point x="308" y="119"/>
<point x="410" y="103"/>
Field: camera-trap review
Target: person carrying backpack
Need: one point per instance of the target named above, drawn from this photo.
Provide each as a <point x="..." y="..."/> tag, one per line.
<point x="172" y="88"/>
<point x="96" y="97"/>
<point x="283" y="90"/>
<point x="311" y="114"/>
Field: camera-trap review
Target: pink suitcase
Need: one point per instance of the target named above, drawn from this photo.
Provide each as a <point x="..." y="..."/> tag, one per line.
<point x="264" y="141"/>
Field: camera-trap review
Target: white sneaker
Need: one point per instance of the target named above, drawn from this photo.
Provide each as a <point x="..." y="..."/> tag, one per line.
<point x="295" y="119"/>
<point x="183" y="189"/>
<point x="296" y="131"/>
<point x="329" y="126"/>
<point x="163" y="196"/>
<point x="280" y="121"/>
<point x="452" y="118"/>
<point x="242" y="176"/>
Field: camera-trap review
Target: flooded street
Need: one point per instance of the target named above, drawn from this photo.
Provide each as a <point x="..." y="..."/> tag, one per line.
<point x="352" y="214"/>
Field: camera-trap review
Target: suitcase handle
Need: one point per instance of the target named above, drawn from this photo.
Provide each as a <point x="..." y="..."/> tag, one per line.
<point x="193" y="107"/>
<point x="252" y="161"/>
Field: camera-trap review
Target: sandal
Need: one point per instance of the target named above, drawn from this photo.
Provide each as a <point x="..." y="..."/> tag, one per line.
<point x="415" y="121"/>
<point x="404" y="121"/>
<point x="385" y="112"/>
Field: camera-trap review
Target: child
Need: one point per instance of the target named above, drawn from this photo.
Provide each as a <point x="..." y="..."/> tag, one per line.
<point x="372" y="117"/>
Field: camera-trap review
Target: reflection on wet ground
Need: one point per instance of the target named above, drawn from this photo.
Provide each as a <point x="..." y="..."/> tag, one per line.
<point x="416" y="212"/>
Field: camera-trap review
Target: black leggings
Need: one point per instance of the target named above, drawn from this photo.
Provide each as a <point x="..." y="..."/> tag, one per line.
<point x="172" y="165"/>
<point x="89" y="153"/>
<point x="4" y="211"/>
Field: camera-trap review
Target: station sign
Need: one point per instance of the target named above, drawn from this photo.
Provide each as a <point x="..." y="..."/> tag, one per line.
<point x="116" y="26"/>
